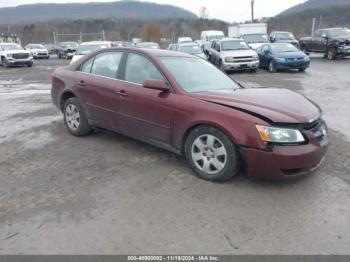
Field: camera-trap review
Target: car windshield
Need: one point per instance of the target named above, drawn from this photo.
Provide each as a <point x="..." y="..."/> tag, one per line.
<point x="234" y="45"/>
<point x="196" y="75"/>
<point x="190" y="49"/>
<point x="86" y="49"/>
<point x="339" y="32"/>
<point x="213" y="37"/>
<point x="284" y="36"/>
<point x="256" y="38"/>
<point x="70" y="45"/>
<point x="11" y="47"/>
<point x="281" y="48"/>
<point x="36" y="47"/>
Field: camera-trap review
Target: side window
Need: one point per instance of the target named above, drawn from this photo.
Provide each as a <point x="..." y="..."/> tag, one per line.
<point x="138" y="69"/>
<point x="107" y="64"/>
<point x="86" y="67"/>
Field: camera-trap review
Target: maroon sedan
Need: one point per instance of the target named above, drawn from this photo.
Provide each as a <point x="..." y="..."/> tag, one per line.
<point x="184" y="104"/>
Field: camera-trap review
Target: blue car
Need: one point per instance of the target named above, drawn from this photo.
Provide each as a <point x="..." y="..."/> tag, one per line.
<point x="282" y="56"/>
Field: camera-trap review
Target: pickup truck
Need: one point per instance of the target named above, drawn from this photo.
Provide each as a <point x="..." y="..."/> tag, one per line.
<point x="333" y="42"/>
<point x="12" y="54"/>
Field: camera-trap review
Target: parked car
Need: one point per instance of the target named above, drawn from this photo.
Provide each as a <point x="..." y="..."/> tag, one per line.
<point x="172" y="47"/>
<point x="67" y="50"/>
<point x="88" y="47"/>
<point x="256" y="40"/>
<point x="12" y="54"/>
<point x="38" y="51"/>
<point x="282" y="56"/>
<point x="207" y="37"/>
<point x="184" y="40"/>
<point x="192" y="49"/>
<point x="231" y="54"/>
<point x="333" y="42"/>
<point x="185" y="105"/>
<point x="151" y="45"/>
<point x="284" y="37"/>
<point x="53" y="49"/>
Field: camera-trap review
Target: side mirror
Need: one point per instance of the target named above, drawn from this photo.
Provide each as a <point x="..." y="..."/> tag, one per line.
<point x="324" y="36"/>
<point x="156" y="84"/>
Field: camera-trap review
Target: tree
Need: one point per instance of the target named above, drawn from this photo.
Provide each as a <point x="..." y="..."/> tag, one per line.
<point x="150" y="32"/>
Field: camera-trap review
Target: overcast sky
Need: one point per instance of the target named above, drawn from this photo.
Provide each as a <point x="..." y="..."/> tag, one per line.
<point x="229" y="10"/>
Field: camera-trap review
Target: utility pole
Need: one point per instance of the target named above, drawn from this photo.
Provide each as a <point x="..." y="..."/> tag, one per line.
<point x="313" y="26"/>
<point x="252" y="6"/>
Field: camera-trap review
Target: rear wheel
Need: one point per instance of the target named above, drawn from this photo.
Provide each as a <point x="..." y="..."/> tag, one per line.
<point x="303" y="49"/>
<point x="332" y="53"/>
<point x="272" y="67"/>
<point x="211" y="154"/>
<point x="75" y="118"/>
<point x="4" y="62"/>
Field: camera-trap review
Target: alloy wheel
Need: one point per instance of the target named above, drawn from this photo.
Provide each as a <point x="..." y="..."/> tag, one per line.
<point x="209" y="154"/>
<point x="72" y="117"/>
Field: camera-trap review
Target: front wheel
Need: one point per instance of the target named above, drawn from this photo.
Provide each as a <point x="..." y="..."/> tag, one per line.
<point x="332" y="54"/>
<point x="211" y="154"/>
<point x="302" y="70"/>
<point x="272" y="68"/>
<point x="75" y="118"/>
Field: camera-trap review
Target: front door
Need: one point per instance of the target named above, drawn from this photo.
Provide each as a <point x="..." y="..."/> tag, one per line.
<point x="144" y="113"/>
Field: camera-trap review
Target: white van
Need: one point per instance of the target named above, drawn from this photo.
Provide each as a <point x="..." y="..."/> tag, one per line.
<point x="207" y="37"/>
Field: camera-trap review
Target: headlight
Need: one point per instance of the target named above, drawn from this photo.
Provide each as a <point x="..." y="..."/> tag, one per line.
<point x="306" y="59"/>
<point x="280" y="135"/>
<point x="9" y="55"/>
<point x="229" y="59"/>
<point x="255" y="58"/>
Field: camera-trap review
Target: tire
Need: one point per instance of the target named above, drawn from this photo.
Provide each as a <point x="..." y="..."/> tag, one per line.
<point x="30" y="64"/>
<point x="302" y="70"/>
<point x="75" y="118"/>
<point x="216" y="161"/>
<point x="4" y="63"/>
<point x="59" y="56"/>
<point x="303" y="49"/>
<point x="254" y="70"/>
<point x="221" y="67"/>
<point x="332" y="54"/>
<point x="272" y="68"/>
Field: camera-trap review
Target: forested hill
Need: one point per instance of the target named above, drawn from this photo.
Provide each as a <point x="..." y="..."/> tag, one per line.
<point x="315" y="4"/>
<point x="119" y="10"/>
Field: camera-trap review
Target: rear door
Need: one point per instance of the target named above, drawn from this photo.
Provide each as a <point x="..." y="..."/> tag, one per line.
<point x="97" y="83"/>
<point x="144" y="113"/>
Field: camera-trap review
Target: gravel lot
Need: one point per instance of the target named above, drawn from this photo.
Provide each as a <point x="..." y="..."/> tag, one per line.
<point x="108" y="194"/>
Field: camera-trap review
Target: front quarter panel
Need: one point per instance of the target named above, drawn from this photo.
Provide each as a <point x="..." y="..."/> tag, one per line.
<point x="238" y="125"/>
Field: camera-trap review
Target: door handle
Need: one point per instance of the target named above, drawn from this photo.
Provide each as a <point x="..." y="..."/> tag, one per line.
<point x="122" y="93"/>
<point x="82" y="83"/>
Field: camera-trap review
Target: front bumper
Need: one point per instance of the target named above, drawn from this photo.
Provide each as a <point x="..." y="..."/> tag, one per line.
<point x="13" y="61"/>
<point x="292" y="65"/>
<point x="284" y="162"/>
<point x="41" y="55"/>
<point x="345" y="51"/>
<point x="249" y="65"/>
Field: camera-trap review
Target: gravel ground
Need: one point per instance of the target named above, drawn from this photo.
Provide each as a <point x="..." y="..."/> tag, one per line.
<point x="108" y="194"/>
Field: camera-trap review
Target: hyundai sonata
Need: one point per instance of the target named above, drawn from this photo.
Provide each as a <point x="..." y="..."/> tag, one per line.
<point x="184" y="104"/>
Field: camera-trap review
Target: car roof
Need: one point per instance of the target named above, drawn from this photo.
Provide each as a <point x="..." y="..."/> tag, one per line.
<point x="9" y="44"/>
<point x="230" y="39"/>
<point x="95" y="43"/>
<point x="150" y="52"/>
<point x="187" y="44"/>
<point x="276" y="32"/>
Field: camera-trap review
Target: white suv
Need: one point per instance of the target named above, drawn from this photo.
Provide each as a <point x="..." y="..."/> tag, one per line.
<point x="38" y="51"/>
<point x="13" y="54"/>
<point x="231" y="54"/>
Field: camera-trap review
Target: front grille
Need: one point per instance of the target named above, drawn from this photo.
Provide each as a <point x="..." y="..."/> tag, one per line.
<point x="42" y="53"/>
<point x="20" y="56"/>
<point x="294" y="59"/>
<point x="242" y="57"/>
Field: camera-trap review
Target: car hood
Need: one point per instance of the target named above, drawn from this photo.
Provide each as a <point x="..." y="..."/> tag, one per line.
<point x="291" y="41"/>
<point x="17" y="52"/>
<point x="345" y="38"/>
<point x="39" y="50"/>
<point x="271" y="104"/>
<point x="256" y="45"/>
<point x="201" y="55"/>
<point x="239" y="53"/>
<point x="297" y="54"/>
